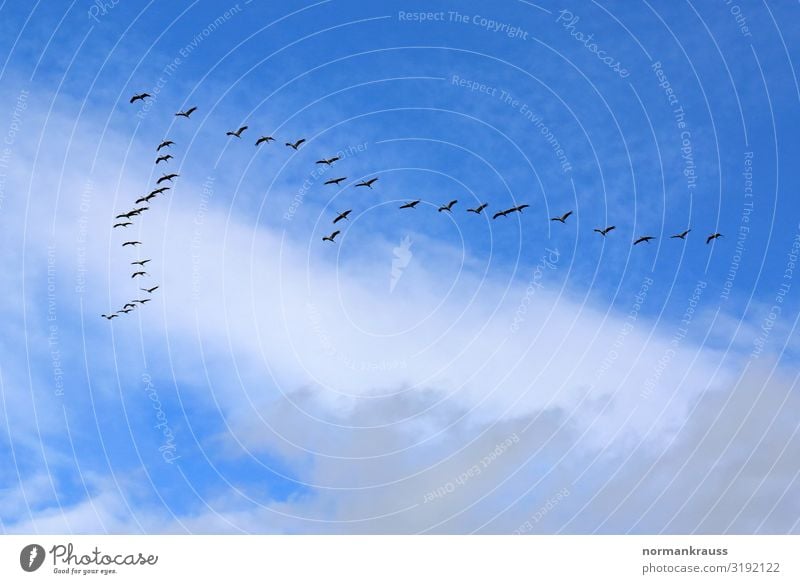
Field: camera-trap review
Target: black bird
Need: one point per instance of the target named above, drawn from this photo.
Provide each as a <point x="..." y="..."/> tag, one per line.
<point x="295" y="145"/>
<point x="712" y="237"/>
<point x="133" y="243"/>
<point x="501" y="214"/>
<point x="145" y="199"/>
<point x="335" y="181"/>
<point x="140" y="97"/>
<point x="165" y="158"/>
<point x="146" y="300"/>
<point x="168" y="177"/>
<point x="139" y="210"/>
<point x="342" y="216"/>
<point x="109" y="317"/>
<point x="332" y="236"/>
<point x="237" y="133"/>
<point x="159" y="191"/>
<point x="125" y="311"/>
<point x="367" y="183"/>
<point x="164" y="144"/>
<point x="123" y="216"/>
<point x="139" y="274"/>
<point x="563" y="218"/>
<point x="150" y="290"/>
<point x="645" y="239"/>
<point x="140" y="262"/>
<point x="605" y="231"/>
<point x="680" y="235"/>
<point x="263" y="139"/>
<point x="128" y="305"/>
<point x="122" y="224"/>
<point x="410" y="205"/>
<point x="520" y="208"/>
<point x="477" y="210"/>
<point x="329" y="161"/>
<point x="187" y="113"/>
<point x="448" y="206"/>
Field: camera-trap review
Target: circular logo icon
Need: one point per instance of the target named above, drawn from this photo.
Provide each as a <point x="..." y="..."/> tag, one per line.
<point x="31" y="557"/>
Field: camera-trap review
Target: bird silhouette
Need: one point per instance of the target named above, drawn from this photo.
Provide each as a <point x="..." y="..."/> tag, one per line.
<point x="159" y="191"/>
<point x="135" y="274"/>
<point x="410" y="205"/>
<point x="165" y="158"/>
<point x="128" y="305"/>
<point x="139" y="210"/>
<point x="335" y="181"/>
<point x="449" y="206"/>
<point x="122" y="224"/>
<point x="144" y="301"/>
<point x="342" y="216"/>
<point x="125" y="310"/>
<point x="187" y="113"/>
<point x="263" y="139"/>
<point x="109" y="316"/>
<point x="605" y="231"/>
<point x="477" y="210"/>
<point x="237" y="133"/>
<point x="168" y="177"/>
<point x="295" y="145"/>
<point x="520" y="208"/>
<point x="644" y="239"/>
<point x="712" y="237"/>
<point x="328" y="161"/>
<point x="145" y="199"/>
<point x="367" y="183"/>
<point x="133" y="243"/>
<point x="140" y="262"/>
<point x="680" y="235"/>
<point x="332" y="236"/>
<point x="501" y="214"/>
<point x="150" y="290"/>
<point x="563" y="218"/>
<point x="140" y="97"/>
<point x="164" y="144"/>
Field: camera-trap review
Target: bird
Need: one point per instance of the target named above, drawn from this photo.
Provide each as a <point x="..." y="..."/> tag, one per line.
<point x="263" y="139"/>
<point x="680" y="235"/>
<point x="237" y="133"/>
<point x="140" y="262"/>
<point x="295" y="145"/>
<point x="125" y="311"/>
<point x="139" y="274"/>
<point x="145" y="199"/>
<point x="342" y="216"/>
<point x="133" y="243"/>
<point x="712" y="237"/>
<point x="128" y="305"/>
<point x="563" y="218"/>
<point x="140" y="97"/>
<point x="335" y="181"/>
<point x="168" y="177"/>
<point x="165" y="158"/>
<point x="520" y="208"/>
<point x="644" y="239"/>
<point x="187" y="113"/>
<point x="477" y="210"/>
<point x="109" y="316"/>
<point x="605" y="231"/>
<point x="448" y="206"/>
<point x="328" y="161"/>
<point x="164" y="144"/>
<point x="145" y="301"/>
<point x="501" y="214"/>
<point x="332" y="236"/>
<point x="139" y="210"/>
<point x="367" y="183"/>
<point x="159" y="191"/>
<point x="150" y="290"/>
<point x="122" y="224"/>
<point x="123" y="216"/>
<point x="410" y="205"/>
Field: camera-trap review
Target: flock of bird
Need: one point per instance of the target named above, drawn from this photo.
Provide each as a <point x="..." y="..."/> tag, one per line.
<point x="126" y="218"/>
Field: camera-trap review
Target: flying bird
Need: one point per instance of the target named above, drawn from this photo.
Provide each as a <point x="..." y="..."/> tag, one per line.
<point x="332" y="236"/>
<point x="644" y="239"/>
<point x="150" y="290"/>
<point x="187" y="113"/>
<point x="128" y="305"/>
<point x="410" y="205"/>
<point x="680" y="235"/>
<point x="165" y="158"/>
<point x="164" y="144"/>
<point x="139" y="210"/>
<point x="605" y="231"/>
<point x="123" y="216"/>
<point x="159" y="191"/>
<point x="263" y="139"/>
<point x="122" y="224"/>
<point x="367" y="183"/>
<point x="328" y="161"/>
<point x="140" y="262"/>
<point x="501" y="214"/>
<point x="448" y="206"/>
<point x="477" y="210"/>
<point x="712" y="237"/>
<point x="520" y="208"/>
<point x="237" y="133"/>
<point x="145" y="199"/>
<point x="295" y="145"/>
<point x="342" y="216"/>
<point x="139" y="274"/>
<point x="109" y="316"/>
<point x="140" y="97"/>
<point x="563" y="218"/>
<point x="335" y="181"/>
<point x="168" y="177"/>
<point x="133" y="243"/>
<point x="146" y="300"/>
<point x="125" y="311"/>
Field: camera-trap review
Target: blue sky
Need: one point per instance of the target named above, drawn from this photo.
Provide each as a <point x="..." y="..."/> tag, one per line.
<point x="279" y="384"/>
